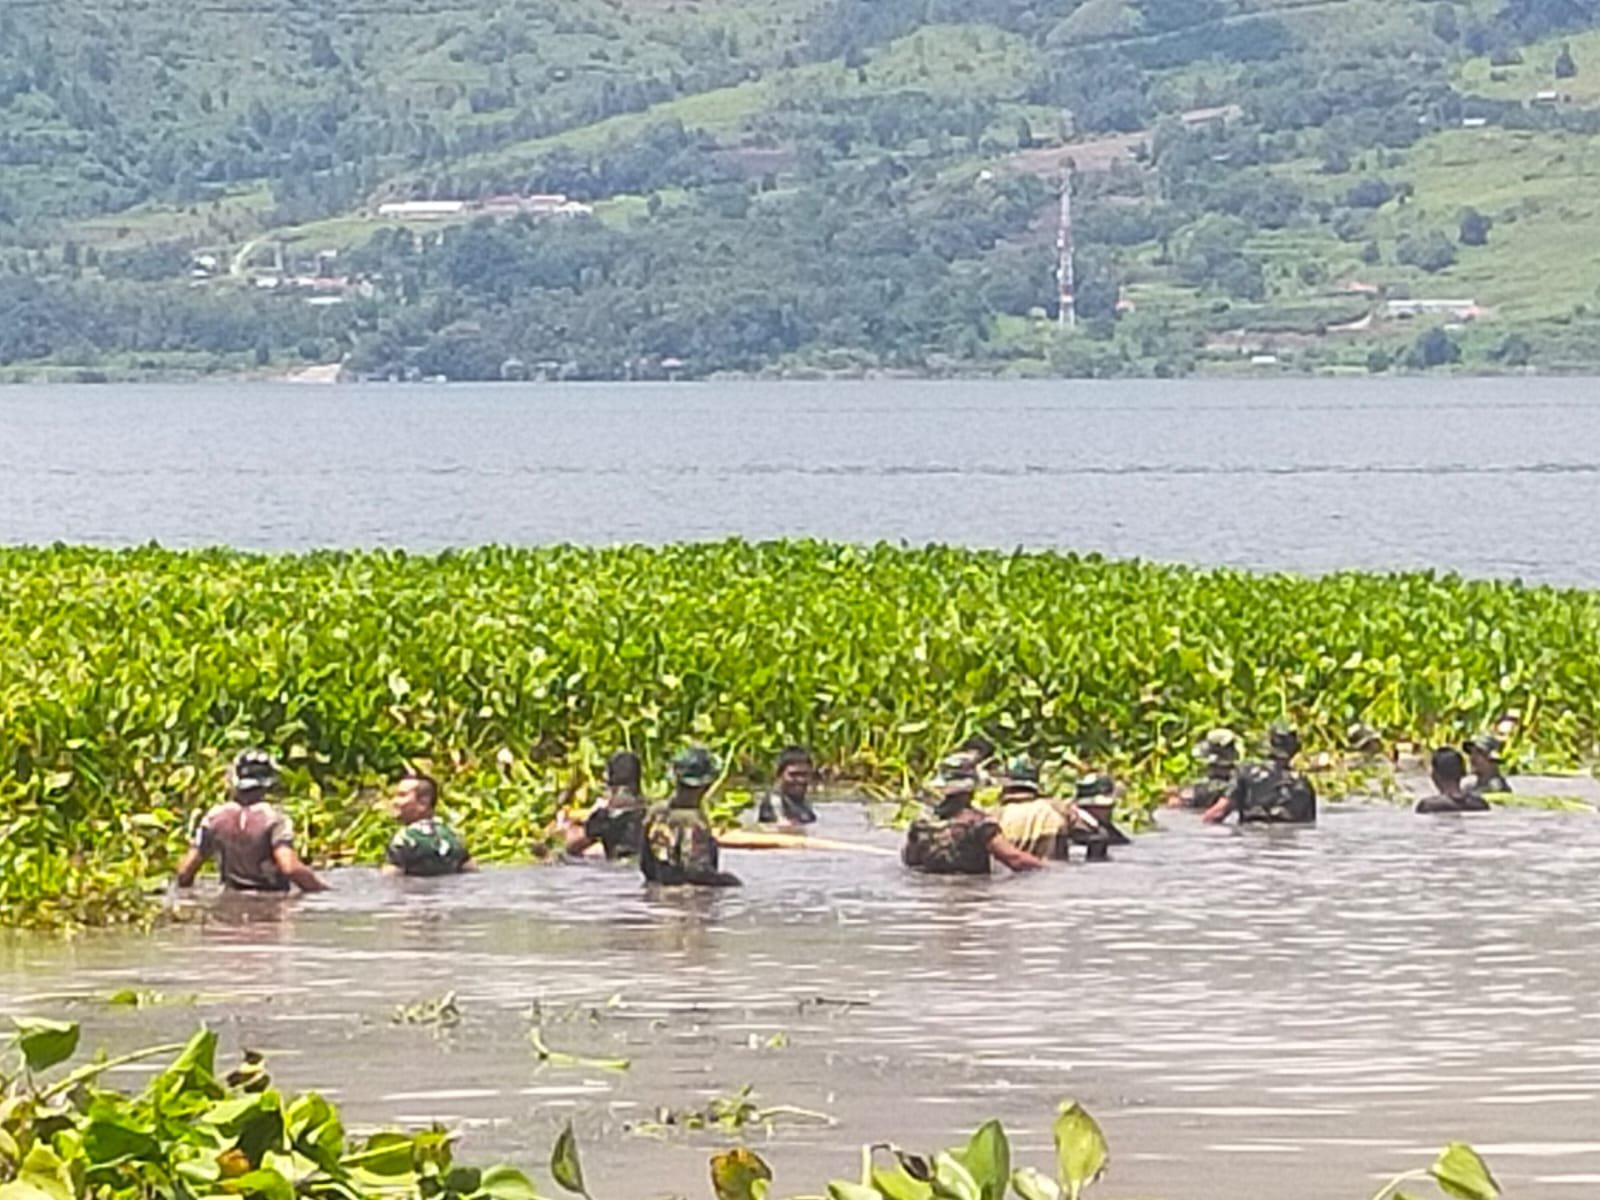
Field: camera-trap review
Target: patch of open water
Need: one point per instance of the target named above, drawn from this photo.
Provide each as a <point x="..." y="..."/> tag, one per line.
<point x="1266" y="1012"/>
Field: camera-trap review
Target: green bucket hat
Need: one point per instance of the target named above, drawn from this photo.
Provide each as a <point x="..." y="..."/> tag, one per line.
<point x="1094" y="785"/>
<point x="957" y="774"/>
<point x="1485" y="743"/>
<point x="695" y="767"/>
<point x="1218" y="744"/>
<point x="1021" y="775"/>
<point x="1363" y="737"/>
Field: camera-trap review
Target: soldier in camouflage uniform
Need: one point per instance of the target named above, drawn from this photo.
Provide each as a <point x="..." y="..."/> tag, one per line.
<point x="1271" y="792"/>
<point x="678" y="844"/>
<point x="426" y="845"/>
<point x="1219" y="750"/>
<point x="959" y="839"/>
<point x="1483" y="752"/>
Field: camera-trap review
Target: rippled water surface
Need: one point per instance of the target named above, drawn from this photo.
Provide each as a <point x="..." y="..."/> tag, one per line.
<point x="1492" y="477"/>
<point x="1266" y="1013"/>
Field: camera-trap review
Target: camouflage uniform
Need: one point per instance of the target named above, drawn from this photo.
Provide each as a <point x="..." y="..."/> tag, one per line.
<point x="427" y="847"/>
<point x="795" y="811"/>
<point x="1203" y="793"/>
<point x="1273" y="793"/>
<point x="679" y="846"/>
<point x="957" y="845"/>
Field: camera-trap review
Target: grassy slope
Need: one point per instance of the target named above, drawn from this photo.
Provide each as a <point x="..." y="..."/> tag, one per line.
<point x="1535" y="186"/>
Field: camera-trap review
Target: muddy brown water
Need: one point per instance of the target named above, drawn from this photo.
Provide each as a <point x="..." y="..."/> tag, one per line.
<point x="1249" y="1013"/>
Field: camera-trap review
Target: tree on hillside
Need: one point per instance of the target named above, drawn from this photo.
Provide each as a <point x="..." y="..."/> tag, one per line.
<point x="1513" y="351"/>
<point x="1445" y="25"/>
<point x="1433" y="348"/>
<point x="1370" y="193"/>
<point x="1430" y="252"/>
<point x="1565" y="66"/>
<point x="1536" y="18"/>
<point x="1474" y="228"/>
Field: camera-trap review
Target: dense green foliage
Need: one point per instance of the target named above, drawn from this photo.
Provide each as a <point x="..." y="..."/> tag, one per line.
<point x="794" y="186"/>
<point x="133" y="675"/>
<point x="195" y="1132"/>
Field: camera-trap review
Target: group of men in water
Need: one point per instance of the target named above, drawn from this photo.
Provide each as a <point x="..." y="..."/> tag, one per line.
<point x="674" y="843"/>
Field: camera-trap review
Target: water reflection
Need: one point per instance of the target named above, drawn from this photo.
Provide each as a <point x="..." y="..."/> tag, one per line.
<point x="1333" y="1003"/>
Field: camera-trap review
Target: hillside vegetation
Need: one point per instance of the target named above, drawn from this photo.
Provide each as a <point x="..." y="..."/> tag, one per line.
<point x="797" y="186"/>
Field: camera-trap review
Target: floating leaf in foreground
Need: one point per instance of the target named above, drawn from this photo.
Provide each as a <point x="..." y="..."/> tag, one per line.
<point x="565" y="1166"/>
<point x="1032" y="1184"/>
<point x="1460" y="1172"/>
<point x="1081" y="1151"/>
<point x="739" y="1174"/>
<point x="987" y="1158"/>
<point x="45" y="1043"/>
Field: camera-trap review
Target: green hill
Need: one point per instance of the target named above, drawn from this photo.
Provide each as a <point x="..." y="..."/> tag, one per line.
<point x="796" y="186"/>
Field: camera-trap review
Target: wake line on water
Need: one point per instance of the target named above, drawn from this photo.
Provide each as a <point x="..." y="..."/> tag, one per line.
<point x="856" y="471"/>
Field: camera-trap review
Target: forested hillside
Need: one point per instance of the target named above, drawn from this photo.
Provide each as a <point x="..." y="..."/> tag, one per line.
<point x="645" y="188"/>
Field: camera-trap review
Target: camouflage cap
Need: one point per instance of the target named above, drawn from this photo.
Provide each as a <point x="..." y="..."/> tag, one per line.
<point x="1021" y="775"/>
<point x="1361" y="736"/>
<point x="1283" y="738"/>
<point x="252" y="771"/>
<point x="1219" y="743"/>
<point x="957" y="774"/>
<point x="695" y="766"/>
<point x="1484" y="743"/>
<point x="1096" y="783"/>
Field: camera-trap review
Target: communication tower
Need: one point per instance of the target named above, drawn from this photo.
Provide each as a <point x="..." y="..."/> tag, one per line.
<point x="1066" y="268"/>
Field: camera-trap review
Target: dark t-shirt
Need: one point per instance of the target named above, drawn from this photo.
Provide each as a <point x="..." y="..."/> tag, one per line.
<point x="617" y="823"/>
<point x="1467" y="802"/>
<point x="1486" y="784"/>
<point x="242" y="837"/>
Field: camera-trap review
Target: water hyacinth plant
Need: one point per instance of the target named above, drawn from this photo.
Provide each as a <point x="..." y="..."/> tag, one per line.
<point x="132" y="676"/>
<point x="194" y="1133"/>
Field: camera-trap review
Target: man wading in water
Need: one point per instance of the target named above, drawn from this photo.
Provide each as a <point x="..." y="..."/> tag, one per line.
<point x="1220" y="751"/>
<point x="1034" y="823"/>
<point x="426" y="846"/>
<point x="679" y="846"/>
<point x="616" y="821"/>
<point x="1272" y="792"/>
<point x="1484" y="751"/>
<point x="251" y="840"/>
<point x="789" y="801"/>
<point x="960" y="839"/>
<point x="1451" y="796"/>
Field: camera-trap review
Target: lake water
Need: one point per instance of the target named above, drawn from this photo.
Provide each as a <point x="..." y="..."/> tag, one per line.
<point x="1489" y="477"/>
<point x="1256" y="1013"/>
